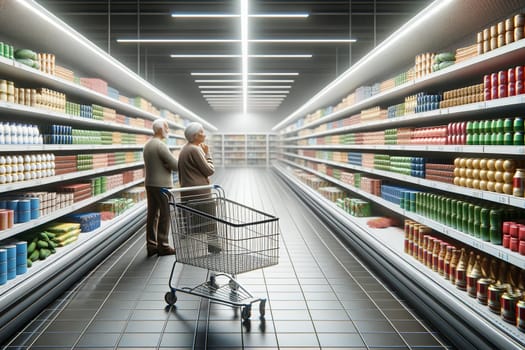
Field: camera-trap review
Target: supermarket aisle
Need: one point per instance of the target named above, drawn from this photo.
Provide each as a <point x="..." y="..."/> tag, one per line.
<point x="319" y="296"/>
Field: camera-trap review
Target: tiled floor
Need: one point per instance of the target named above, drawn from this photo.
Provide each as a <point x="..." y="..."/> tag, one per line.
<point x="319" y="295"/>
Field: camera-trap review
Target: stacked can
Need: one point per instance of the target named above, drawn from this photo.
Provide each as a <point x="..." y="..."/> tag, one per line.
<point x="11" y="260"/>
<point x="7" y="50"/>
<point x="494" y="175"/>
<point x="462" y="96"/>
<point x="514" y="236"/>
<point x="3" y="266"/>
<point x="504" y="83"/>
<point x="427" y="102"/>
<point x="21" y="257"/>
<point x="457" y="133"/>
<point x="7" y="217"/>
<point x="501" y="34"/>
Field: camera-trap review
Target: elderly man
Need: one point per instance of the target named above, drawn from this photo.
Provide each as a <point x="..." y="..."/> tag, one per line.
<point x="159" y="163"/>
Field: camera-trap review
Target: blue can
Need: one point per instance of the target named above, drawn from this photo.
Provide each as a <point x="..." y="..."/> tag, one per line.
<point x="12" y="204"/>
<point x="24" y="216"/>
<point x="21" y="258"/>
<point x="35" y="203"/>
<point x="3" y="266"/>
<point x="24" y="204"/>
<point x="35" y="214"/>
<point x="11" y="261"/>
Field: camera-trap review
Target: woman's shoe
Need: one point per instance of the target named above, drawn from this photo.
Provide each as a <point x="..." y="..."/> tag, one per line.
<point x="166" y="251"/>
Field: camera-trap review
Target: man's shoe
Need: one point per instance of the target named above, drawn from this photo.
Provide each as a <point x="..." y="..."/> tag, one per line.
<point x="214" y="249"/>
<point x="166" y="251"/>
<point x="152" y="251"/>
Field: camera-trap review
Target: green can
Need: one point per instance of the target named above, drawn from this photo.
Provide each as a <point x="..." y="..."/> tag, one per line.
<point x="496" y="218"/>
<point x="476" y="127"/>
<point x="487" y="126"/>
<point x="495" y="235"/>
<point x="499" y="125"/>
<point x="518" y="138"/>
<point x="471" y="214"/>
<point x="518" y="124"/>
<point x="508" y="138"/>
<point x="459" y="216"/>
<point x="508" y="125"/>
<point x="464" y="217"/>
<point x="11" y="52"/>
<point x="470" y="127"/>
<point x="470" y="139"/>
<point x="6" y="51"/>
<point x="1" y="48"/>
<point x="484" y="231"/>
<point x="494" y="125"/>
<point x="487" y="139"/>
<point x="475" y="139"/>
<point x="494" y="138"/>
<point x="484" y="217"/>
<point x="477" y="220"/>
<point x="453" y="213"/>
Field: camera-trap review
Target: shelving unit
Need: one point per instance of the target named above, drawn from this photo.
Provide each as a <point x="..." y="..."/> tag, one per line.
<point x="217" y="149"/>
<point x="19" y="297"/>
<point x="240" y="150"/>
<point x="450" y="306"/>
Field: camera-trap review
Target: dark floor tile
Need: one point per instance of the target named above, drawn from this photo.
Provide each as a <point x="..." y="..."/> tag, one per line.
<point x="346" y="340"/>
<point x="145" y="327"/>
<point x="51" y="340"/>
<point x="76" y="314"/>
<point x="420" y="339"/>
<point x="374" y="326"/>
<point x="113" y="315"/>
<point x="99" y="340"/>
<point x="383" y="340"/>
<point x="106" y="327"/>
<point x="298" y="340"/>
<point x="231" y="326"/>
<point x="139" y="340"/>
<point x="23" y="339"/>
<point x="176" y="340"/>
<point x="398" y="314"/>
<point x="334" y="327"/>
<point x="149" y="315"/>
<point x="85" y="304"/>
<point x="183" y="315"/>
<point x="294" y="326"/>
<point x="411" y="326"/>
<point x="365" y="314"/>
<point x="329" y="315"/>
<point x="224" y="340"/>
<point x="67" y="326"/>
<point x="180" y="326"/>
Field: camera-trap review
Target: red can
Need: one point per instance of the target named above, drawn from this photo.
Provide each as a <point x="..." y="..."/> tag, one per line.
<point x="494" y="93"/>
<point x="513" y="230"/>
<point x="487" y="81"/>
<point x="519" y="87"/>
<point x="463" y="139"/>
<point x="514" y="244"/>
<point x="502" y="91"/>
<point x="506" y="241"/>
<point x="494" y="79"/>
<point x="487" y="93"/>
<point x="511" y="89"/>
<point x="511" y="75"/>
<point x="521" y="232"/>
<point x="522" y="248"/>
<point x="518" y="73"/>
<point x="502" y="77"/>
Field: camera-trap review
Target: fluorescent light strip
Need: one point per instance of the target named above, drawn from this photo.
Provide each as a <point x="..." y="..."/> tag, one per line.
<point x="249" y="87"/>
<point x="251" y="96"/>
<point x="218" y="81"/>
<point x="242" y="92"/>
<point x="238" y="56"/>
<point x="244" y="52"/>
<point x="270" y="87"/>
<point x="228" y="15"/>
<point x="271" y="81"/>
<point x="276" y="41"/>
<point x="219" y="87"/>
<point x="237" y="74"/>
<point x="221" y="92"/>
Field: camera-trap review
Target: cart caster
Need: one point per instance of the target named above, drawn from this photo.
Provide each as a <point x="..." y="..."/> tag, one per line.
<point x="170" y="298"/>
<point x="234" y="286"/>
<point x="262" y="308"/>
<point x="246" y="312"/>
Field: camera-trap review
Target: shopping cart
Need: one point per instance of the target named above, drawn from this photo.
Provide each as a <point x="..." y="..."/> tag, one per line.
<point x="223" y="236"/>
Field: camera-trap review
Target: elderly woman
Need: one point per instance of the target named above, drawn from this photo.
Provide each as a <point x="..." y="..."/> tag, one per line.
<point x="195" y="167"/>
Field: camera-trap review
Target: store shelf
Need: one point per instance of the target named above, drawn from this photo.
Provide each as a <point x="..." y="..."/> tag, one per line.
<point x="390" y="242"/>
<point x="19" y="228"/>
<point x="14" y="186"/>
<point x="472" y="68"/>
<point x="491" y="249"/>
<point x="53" y="148"/>
<point x="473" y="110"/>
<point x="499" y="198"/>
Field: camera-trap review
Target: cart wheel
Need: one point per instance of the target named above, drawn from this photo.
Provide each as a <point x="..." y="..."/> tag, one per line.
<point x="262" y="308"/>
<point x="170" y="298"/>
<point x="234" y="286"/>
<point x="246" y="312"/>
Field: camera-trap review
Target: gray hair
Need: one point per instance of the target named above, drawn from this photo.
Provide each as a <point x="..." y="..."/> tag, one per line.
<point x="158" y="124"/>
<point x="191" y="130"/>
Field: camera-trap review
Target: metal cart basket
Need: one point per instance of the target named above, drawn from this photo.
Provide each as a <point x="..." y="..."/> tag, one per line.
<point x="226" y="238"/>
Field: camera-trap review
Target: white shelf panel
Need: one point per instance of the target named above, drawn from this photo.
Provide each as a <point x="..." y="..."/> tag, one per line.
<point x="491" y="249"/>
<point x="14" y="186"/>
<point x="51" y="148"/>
<point x="19" y="228"/>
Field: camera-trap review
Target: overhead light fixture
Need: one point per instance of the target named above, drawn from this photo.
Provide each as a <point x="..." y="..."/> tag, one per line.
<point x="228" y="15"/>
<point x="270" y="87"/>
<point x="185" y="41"/>
<point x="292" y="41"/>
<point x="269" y="92"/>
<point x="244" y="53"/>
<point x="219" y="87"/>
<point x="268" y="96"/>
<point x="203" y="56"/>
<point x="218" y="81"/>
<point x="238" y="56"/>
<point x="220" y="92"/>
<point x="236" y="74"/>
<point x="271" y="81"/>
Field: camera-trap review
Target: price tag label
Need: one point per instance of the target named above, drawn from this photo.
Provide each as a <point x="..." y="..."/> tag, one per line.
<point x="503" y="199"/>
<point x="476" y="194"/>
<point x="458" y="149"/>
<point x="476" y="244"/>
<point x="503" y="256"/>
<point x="520" y="150"/>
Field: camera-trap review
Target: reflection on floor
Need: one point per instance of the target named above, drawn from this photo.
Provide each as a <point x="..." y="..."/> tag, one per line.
<point x="319" y="295"/>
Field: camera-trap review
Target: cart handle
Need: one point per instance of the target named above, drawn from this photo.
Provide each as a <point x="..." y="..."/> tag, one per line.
<point x="216" y="187"/>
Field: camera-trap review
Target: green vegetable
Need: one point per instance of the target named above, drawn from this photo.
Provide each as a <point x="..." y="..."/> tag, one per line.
<point x="29" y="263"/>
<point x="42" y="244"/>
<point x="50" y="234"/>
<point x="444" y="56"/>
<point x="31" y="247"/>
<point x="445" y="64"/>
<point x="44" y="253"/>
<point x="35" y="255"/>
<point x="26" y="61"/>
<point x="25" y="53"/>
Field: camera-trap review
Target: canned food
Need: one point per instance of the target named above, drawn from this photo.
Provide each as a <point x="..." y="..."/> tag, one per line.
<point x="509" y="37"/>
<point x="520" y="315"/>
<point x="495" y="292"/>
<point x="508" y="306"/>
